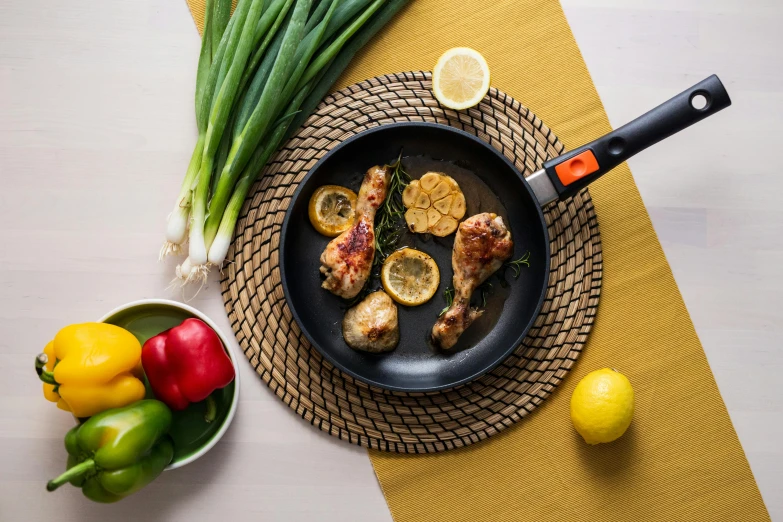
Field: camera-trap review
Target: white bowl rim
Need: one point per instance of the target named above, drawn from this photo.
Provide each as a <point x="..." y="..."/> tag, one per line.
<point x="234" y="399"/>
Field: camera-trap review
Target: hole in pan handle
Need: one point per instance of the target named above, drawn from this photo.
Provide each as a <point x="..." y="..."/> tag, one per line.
<point x="565" y="175"/>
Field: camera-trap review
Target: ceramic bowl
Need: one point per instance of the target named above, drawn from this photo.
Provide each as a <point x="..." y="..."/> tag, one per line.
<point x="192" y="436"/>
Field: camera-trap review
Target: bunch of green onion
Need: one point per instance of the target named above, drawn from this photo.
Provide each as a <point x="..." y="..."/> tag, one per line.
<point x="261" y="72"/>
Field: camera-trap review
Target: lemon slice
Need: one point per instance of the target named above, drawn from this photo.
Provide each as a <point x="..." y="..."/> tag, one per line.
<point x="410" y="277"/>
<point x="332" y="210"/>
<point x="461" y="78"/>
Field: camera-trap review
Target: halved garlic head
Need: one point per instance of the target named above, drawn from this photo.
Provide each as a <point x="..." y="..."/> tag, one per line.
<point x="435" y="204"/>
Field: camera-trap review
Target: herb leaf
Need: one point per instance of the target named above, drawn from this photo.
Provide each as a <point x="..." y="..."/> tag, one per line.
<point x="448" y="296"/>
<point x="388" y="220"/>
<point x="485" y="288"/>
<point x="517" y="263"/>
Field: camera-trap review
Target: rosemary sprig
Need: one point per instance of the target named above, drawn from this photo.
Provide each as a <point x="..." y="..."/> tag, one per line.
<point x="515" y="264"/>
<point x="485" y="288"/>
<point x="448" y="296"/>
<point x="388" y="220"/>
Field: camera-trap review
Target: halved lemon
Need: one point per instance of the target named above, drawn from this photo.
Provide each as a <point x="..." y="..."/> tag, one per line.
<point x="410" y="277"/>
<point x="460" y="79"/>
<point x="332" y="209"/>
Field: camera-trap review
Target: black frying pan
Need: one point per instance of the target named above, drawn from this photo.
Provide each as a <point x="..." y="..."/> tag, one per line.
<point x="491" y="184"/>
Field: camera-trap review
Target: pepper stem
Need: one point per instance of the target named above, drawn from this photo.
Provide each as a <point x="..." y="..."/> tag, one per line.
<point x="211" y="413"/>
<point x="45" y="375"/>
<point x="72" y="473"/>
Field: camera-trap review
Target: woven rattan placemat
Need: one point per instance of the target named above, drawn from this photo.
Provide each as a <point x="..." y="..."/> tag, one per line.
<point x="393" y="421"/>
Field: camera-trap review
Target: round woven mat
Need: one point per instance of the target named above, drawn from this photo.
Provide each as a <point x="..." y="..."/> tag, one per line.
<point x="393" y="421"/>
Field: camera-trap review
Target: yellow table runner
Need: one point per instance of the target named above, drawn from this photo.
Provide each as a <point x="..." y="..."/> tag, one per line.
<point x="681" y="459"/>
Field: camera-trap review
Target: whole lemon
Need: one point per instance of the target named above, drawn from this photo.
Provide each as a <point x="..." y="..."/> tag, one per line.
<point x="602" y="406"/>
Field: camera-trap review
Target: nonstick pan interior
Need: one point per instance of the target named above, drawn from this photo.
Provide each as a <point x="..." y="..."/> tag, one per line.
<point x="490" y="183"/>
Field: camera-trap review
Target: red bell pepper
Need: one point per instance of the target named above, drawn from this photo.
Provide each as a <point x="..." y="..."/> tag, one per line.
<point x="186" y="364"/>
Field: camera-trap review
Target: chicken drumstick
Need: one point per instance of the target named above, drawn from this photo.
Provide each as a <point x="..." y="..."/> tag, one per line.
<point x="347" y="260"/>
<point x="481" y="246"/>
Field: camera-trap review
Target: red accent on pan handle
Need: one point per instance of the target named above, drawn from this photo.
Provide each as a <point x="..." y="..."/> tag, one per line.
<point x="576" y="169"/>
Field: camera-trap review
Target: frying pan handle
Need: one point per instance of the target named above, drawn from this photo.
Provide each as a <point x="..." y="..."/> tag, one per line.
<point x="580" y="167"/>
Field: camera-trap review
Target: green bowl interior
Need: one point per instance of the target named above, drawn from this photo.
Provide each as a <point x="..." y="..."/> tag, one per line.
<point x="189" y="430"/>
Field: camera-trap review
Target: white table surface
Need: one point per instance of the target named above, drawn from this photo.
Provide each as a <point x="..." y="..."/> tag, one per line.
<point x="92" y="150"/>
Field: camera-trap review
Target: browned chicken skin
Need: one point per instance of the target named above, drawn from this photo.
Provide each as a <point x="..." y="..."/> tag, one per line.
<point x="347" y="260"/>
<point x="372" y="325"/>
<point x="482" y="245"/>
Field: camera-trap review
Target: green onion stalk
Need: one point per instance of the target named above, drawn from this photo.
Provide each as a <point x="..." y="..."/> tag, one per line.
<point x="279" y="9"/>
<point x="221" y="35"/>
<point x="259" y="66"/>
<point x="317" y="14"/>
<point x="220" y="17"/>
<point x="244" y="144"/>
<point x="260" y="157"/>
<point x="273" y="16"/>
<point x="213" y="45"/>
<point x="218" y="119"/>
<point x="341" y="61"/>
<point x="238" y="31"/>
<point x="256" y="75"/>
<point x="331" y="51"/>
<point x="267" y="27"/>
<point x="259" y="70"/>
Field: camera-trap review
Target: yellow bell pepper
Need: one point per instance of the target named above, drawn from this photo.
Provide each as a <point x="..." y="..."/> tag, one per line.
<point x="91" y="367"/>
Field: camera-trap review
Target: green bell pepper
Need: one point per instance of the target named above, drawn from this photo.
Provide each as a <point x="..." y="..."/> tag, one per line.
<point x="117" y="452"/>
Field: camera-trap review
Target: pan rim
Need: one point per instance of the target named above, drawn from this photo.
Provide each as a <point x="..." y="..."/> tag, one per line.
<point x="333" y="360"/>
